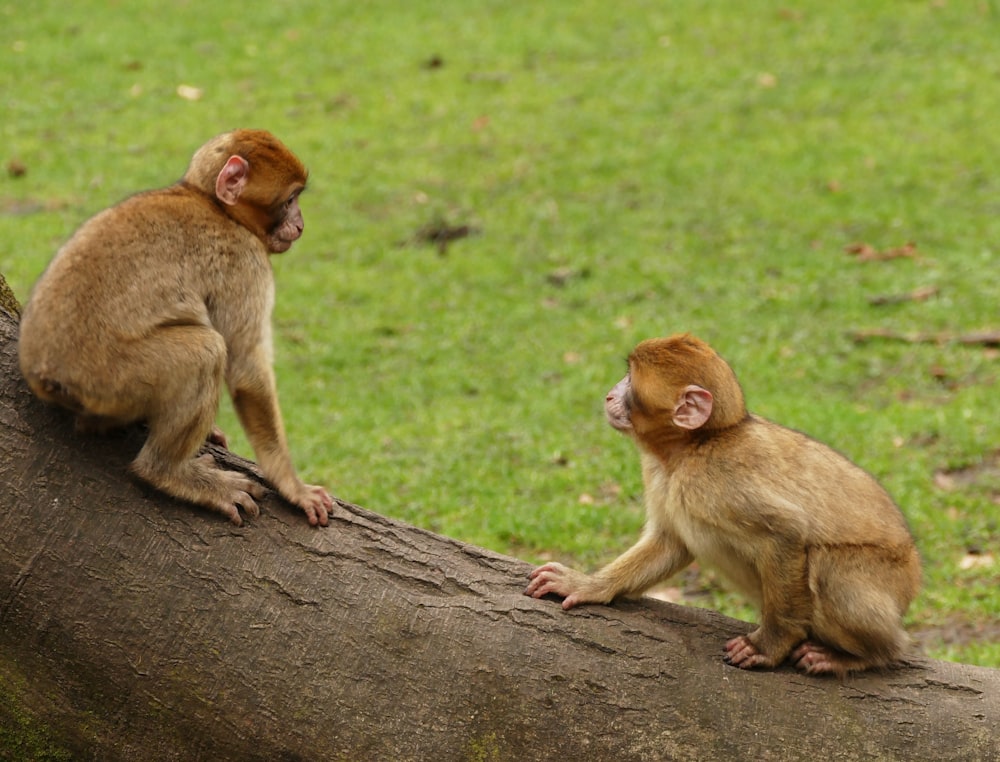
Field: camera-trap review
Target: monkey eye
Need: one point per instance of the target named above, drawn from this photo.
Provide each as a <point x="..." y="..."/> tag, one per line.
<point x="292" y="198"/>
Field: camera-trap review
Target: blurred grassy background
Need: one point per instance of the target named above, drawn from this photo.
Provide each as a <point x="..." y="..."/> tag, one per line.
<point x="623" y="170"/>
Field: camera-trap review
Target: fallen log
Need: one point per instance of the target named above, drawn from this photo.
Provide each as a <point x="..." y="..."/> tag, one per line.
<point x="134" y="627"/>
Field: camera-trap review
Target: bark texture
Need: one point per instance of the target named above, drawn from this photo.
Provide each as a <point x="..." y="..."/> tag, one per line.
<point x="133" y="627"/>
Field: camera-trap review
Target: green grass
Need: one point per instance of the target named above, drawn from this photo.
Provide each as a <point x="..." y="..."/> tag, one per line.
<point x="632" y="170"/>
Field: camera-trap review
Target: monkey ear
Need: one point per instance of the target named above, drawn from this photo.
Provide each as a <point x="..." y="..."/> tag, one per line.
<point x="232" y="179"/>
<point x="693" y="409"/>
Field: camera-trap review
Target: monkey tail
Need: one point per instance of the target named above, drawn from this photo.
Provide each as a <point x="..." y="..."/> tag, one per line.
<point x="56" y="392"/>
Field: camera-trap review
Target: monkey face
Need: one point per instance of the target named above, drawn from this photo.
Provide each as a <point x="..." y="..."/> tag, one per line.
<point x="616" y="405"/>
<point x="289" y="226"/>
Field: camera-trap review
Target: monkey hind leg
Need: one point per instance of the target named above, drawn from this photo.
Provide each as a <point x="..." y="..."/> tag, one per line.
<point x="183" y="366"/>
<point x="200" y="481"/>
<point x="857" y="614"/>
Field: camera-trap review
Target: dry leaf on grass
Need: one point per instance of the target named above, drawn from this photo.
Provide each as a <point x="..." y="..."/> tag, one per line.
<point x="865" y="252"/>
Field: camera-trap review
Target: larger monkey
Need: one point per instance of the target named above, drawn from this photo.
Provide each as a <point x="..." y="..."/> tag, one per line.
<point x="806" y="534"/>
<point x="154" y="303"/>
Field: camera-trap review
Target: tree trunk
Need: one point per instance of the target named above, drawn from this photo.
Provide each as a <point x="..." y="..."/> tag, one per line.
<point x="135" y="627"/>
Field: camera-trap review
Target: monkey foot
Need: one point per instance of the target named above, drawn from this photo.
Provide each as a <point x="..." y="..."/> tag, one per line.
<point x="742" y="653"/>
<point x="818" y="659"/>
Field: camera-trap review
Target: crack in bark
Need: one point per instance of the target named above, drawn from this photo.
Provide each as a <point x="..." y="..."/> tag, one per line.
<point x="857" y="694"/>
<point x="284" y="591"/>
<point x="952" y="687"/>
<point x="25" y="572"/>
<point x="214" y="581"/>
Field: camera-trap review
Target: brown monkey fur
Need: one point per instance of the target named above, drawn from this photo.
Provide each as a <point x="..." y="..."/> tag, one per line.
<point x="807" y="535"/>
<point x="154" y="303"/>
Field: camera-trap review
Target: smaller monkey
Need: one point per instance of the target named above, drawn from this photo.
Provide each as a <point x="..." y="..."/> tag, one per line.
<point x="154" y="303"/>
<point x="803" y="532"/>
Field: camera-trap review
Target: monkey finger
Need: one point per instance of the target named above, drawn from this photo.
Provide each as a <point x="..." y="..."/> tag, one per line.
<point x="314" y="501"/>
<point x="813" y="659"/>
<point x="325" y="509"/>
<point x="532" y="588"/>
<point x="248" y="504"/>
<point x="736" y="642"/>
<point x="537" y="587"/>
<point x="552" y="566"/>
<point x="237" y="499"/>
<point x="327" y="500"/>
<point x="311" y="516"/>
<point x="542" y="586"/>
<point x="246" y="491"/>
<point x="229" y="508"/>
<point x="804" y="648"/>
<point x="539" y="574"/>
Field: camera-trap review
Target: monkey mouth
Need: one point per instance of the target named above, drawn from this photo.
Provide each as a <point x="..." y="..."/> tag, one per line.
<point x="619" y="423"/>
<point x="280" y="245"/>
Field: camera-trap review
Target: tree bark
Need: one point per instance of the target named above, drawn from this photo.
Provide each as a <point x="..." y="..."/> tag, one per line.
<point x="134" y="627"/>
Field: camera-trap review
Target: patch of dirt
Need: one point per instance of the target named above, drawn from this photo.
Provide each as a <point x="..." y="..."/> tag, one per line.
<point x="957" y="632"/>
<point x="441" y="234"/>
<point x="988" y="469"/>
<point x="17" y="207"/>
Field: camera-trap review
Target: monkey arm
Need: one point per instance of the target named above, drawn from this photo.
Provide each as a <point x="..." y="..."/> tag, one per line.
<point x="656" y="556"/>
<point x="659" y="554"/>
<point x="257" y="408"/>
<point x="255" y="398"/>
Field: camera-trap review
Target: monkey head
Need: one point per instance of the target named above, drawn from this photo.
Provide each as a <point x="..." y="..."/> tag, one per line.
<point x="257" y="181"/>
<point x="674" y="386"/>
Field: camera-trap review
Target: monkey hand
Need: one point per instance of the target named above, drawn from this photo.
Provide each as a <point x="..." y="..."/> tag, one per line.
<point x="572" y="586"/>
<point x="741" y="652"/>
<point x="315" y="501"/>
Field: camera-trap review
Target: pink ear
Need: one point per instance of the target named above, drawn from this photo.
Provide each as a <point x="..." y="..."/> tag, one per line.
<point x="693" y="409"/>
<point x="232" y="179"/>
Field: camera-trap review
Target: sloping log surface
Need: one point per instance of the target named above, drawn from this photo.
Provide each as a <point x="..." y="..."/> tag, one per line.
<point x="135" y="627"/>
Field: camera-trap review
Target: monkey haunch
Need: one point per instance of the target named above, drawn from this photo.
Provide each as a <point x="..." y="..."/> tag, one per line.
<point x="156" y="302"/>
<point x="806" y="534"/>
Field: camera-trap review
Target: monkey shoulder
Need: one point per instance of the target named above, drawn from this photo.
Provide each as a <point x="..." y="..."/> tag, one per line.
<point x="155" y="224"/>
<point x="787" y="448"/>
<point x="160" y="257"/>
